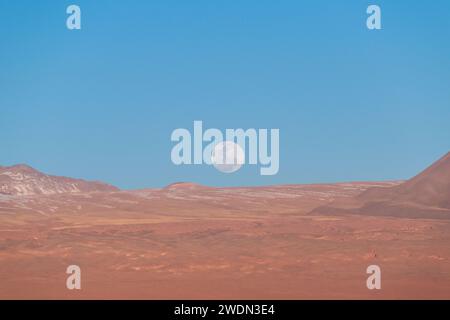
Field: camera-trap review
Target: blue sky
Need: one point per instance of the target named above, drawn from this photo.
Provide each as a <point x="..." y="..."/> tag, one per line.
<point x="101" y="103"/>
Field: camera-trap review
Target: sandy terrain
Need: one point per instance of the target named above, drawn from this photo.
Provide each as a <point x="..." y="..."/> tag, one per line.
<point x="192" y="242"/>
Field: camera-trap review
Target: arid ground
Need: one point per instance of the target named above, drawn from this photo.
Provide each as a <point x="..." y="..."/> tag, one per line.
<point x="192" y="242"/>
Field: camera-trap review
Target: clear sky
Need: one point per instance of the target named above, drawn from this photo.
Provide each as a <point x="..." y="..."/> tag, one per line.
<point x="101" y="103"/>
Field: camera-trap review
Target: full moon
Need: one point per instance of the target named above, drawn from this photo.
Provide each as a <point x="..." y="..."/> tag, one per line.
<point x="228" y="157"/>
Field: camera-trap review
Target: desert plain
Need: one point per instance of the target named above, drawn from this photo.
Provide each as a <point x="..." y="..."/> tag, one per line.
<point x="188" y="241"/>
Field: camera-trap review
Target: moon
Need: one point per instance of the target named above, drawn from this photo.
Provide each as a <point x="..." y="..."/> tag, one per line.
<point x="227" y="157"/>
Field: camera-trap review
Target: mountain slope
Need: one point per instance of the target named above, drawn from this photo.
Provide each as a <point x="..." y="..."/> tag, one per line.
<point x="431" y="187"/>
<point x="427" y="195"/>
<point x="24" y="180"/>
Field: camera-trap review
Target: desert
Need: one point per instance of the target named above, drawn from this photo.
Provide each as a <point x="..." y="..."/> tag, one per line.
<point x="188" y="241"/>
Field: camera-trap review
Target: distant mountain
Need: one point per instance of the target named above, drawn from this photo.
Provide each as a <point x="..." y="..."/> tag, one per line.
<point x="426" y="195"/>
<point x="24" y="180"/>
<point x="431" y="187"/>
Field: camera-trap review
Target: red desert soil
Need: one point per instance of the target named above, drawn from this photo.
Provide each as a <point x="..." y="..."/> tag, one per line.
<point x="192" y="242"/>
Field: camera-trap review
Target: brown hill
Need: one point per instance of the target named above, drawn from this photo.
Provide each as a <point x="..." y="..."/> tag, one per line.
<point x="24" y="180"/>
<point x="426" y="195"/>
<point x="431" y="187"/>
